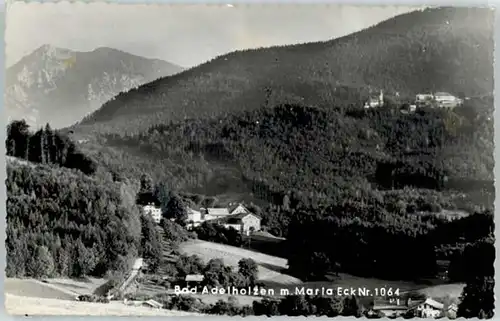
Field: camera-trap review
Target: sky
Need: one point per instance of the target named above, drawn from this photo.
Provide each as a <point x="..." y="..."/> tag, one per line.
<point x="186" y="35"/>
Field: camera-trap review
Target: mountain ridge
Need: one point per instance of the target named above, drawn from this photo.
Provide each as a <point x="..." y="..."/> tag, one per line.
<point x="445" y="49"/>
<point x="43" y="85"/>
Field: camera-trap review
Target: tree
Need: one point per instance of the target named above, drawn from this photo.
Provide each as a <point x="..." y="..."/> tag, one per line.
<point x="286" y="202"/>
<point x="17" y="139"/>
<point x="477" y="299"/>
<point x="150" y="249"/>
<point x="42" y="263"/>
<point x="351" y="307"/>
<point x="249" y="270"/>
<point x="146" y="184"/>
<point x="266" y="307"/>
<point x="295" y="305"/>
<point x="211" y="272"/>
<point x="176" y="209"/>
<point x="326" y="306"/>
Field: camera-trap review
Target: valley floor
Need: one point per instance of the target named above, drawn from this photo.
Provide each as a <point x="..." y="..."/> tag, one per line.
<point x="58" y="297"/>
<point x="272" y="272"/>
<point x="21" y="305"/>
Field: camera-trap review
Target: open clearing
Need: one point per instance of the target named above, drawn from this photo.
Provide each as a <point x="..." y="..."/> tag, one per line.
<point x="84" y="286"/>
<point x="19" y="305"/>
<point x="36" y="289"/>
<point x="271" y="270"/>
<point x="270" y="267"/>
<point x="34" y="297"/>
<point x="453" y="290"/>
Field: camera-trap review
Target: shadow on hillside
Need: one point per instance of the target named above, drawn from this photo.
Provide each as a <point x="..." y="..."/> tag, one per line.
<point x="272" y="267"/>
<point x="103" y="290"/>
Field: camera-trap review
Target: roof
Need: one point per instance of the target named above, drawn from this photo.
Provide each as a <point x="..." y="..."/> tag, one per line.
<point x="389" y="307"/>
<point x="217" y="211"/>
<point x="153" y="303"/>
<point x="452" y="306"/>
<point x="236" y="218"/>
<point x="441" y="93"/>
<point x="434" y="303"/>
<point x="194" y="277"/>
<point x="235" y="206"/>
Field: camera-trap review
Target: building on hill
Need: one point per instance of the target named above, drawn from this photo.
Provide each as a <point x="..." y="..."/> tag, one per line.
<point x="153" y="211"/>
<point x="245" y="223"/>
<point x="446" y="100"/>
<point x="438" y="99"/>
<point x="423" y="100"/>
<point x="375" y="101"/>
<point x="194" y="218"/>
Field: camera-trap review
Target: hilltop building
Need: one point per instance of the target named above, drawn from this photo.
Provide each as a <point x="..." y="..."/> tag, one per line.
<point x="438" y="99"/>
<point x="377" y="101"/>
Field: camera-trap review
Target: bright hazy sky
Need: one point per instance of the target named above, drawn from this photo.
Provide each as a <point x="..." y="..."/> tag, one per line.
<point x="186" y="35"/>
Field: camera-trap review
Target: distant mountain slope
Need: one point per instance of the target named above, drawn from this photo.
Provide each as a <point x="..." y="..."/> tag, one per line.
<point x="61" y="86"/>
<point x="319" y="154"/>
<point x="448" y="49"/>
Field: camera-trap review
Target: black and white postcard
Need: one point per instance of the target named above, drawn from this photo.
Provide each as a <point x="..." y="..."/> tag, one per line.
<point x="249" y="160"/>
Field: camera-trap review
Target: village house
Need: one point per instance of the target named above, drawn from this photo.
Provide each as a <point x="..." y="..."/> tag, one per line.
<point x="194" y="218"/>
<point x="428" y="309"/>
<point x="193" y="279"/>
<point x="245" y="223"/>
<point x="153" y="211"/>
<point x="235" y="216"/>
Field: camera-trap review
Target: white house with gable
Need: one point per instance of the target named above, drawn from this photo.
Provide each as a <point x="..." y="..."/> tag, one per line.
<point x="194" y="218"/>
<point x="429" y="309"/>
<point x="245" y="223"/>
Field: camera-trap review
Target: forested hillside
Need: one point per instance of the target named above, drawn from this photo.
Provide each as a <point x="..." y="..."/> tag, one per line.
<point x="448" y="49"/>
<point x="63" y="222"/>
<point x="63" y="217"/>
<point x="317" y="155"/>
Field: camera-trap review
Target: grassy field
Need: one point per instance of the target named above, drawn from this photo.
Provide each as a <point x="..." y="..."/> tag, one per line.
<point x="21" y="305"/>
<point x="270" y="267"/>
<point x="452" y="291"/>
<point x="37" y="289"/>
<point x="58" y="297"/>
<point x="83" y="286"/>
